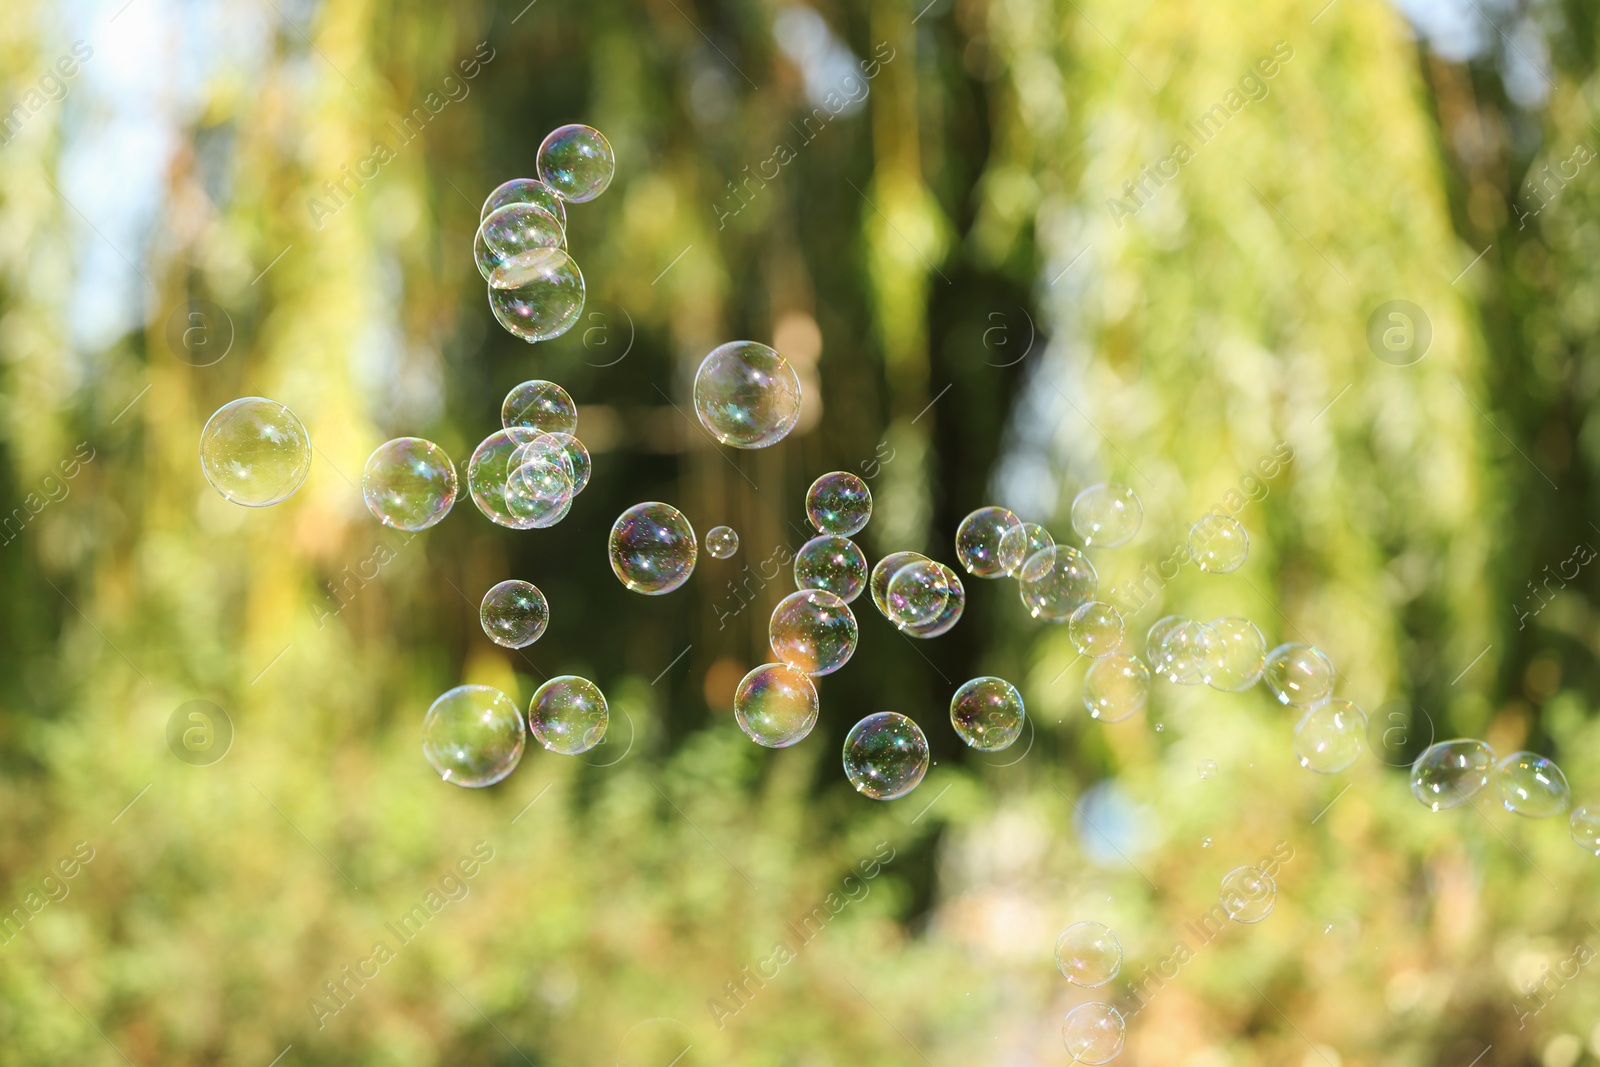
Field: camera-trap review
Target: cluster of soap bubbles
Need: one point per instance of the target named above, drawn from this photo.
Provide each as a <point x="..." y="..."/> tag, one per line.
<point x="1450" y="773"/>
<point x="526" y="474"/>
<point x="473" y="735"/>
<point x="536" y="290"/>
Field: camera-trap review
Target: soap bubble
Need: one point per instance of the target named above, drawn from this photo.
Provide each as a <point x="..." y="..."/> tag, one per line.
<point x="1585" y="827"/>
<point x="1232" y="654"/>
<point x="1107" y="515"/>
<point x="576" y="161"/>
<point x="1248" y="894"/>
<point x="1532" y="785"/>
<point x="1096" y="629"/>
<point x="917" y="594"/>
<point x="1208" y="768"/>
<point x="473" y="736"/>
<point x="255" y="452"/>
<point x="490" y="469"/>
<point x="409" y="483"/>
<point x="510" y="234"/>
<point x="839" y="503"/>
<point x="885" y="755"/>
<point x="569" y="715"/>
<point x="540" y="405"/>
<point x="721" y="542"/>
<point x="1067" y="582"/>
<point x="577" y="462"/>
<point x="1021" y="549"/>
<point x="885" y="569"/>
<point x="833" y="564"/>
<point x="525" y="191"/>
<point x="1094" y="1032"/>
<point x="1450" y="773"/>
<point x="514" y="613"/>
<point x="813" y="631"/>
<point x="978" y="541"/>
<point x="1219" y="544"/>
<point x="776" y="705"/>
<point x="1088" y="954"/>
<point x="652" y="548"/>
<point x="1116" y="687"/>
<point x="539" y="491"/>
<point x="1179" y="654"/>
<point x="987" y="713"/>
<point x="1299" y="675"/>
<point x="747" y="395"/>
<point x="955" y="603"/>
<point x="538" y="296"/>
<point x="1331" y="736"/>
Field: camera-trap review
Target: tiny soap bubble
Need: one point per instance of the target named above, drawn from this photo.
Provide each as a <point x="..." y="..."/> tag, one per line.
<point x="721" y="542"/>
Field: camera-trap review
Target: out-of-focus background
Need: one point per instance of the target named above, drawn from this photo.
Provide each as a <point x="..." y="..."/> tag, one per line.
<point x="967" y="225"/>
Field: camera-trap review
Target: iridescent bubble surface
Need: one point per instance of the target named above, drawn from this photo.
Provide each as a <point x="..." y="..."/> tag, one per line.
<point x="833" y="564"/>
<point x="473" y="736"/>
<point x="1331" y="736"/>
<point x="577" y="462"/>
<point x="539" y="405"/>
<point x="514" y="613"/>
<point x="1179" y="654"/>
<point x="1301" y="676"/>
<point x="525" y="191"/>
<point x="987" y="713"/>
<point x="978" y="541"/>
<point x="652" y="548"/>
<point x="1584" y="825"/>
<point x="409" y="483"/>
<point x="813" y="631"/>
<point x="1232" y="654"/>
<point x="1219" y="544"/>
<point x="746" y="395"/>
<point x="1088" y="954"/>
<point x="490" y="469"/>
<point x="1020" y="548"/>
<point x="1107" y="515"/>
<point x="776" y="705"/>
<point x="721" y="542"/>
<point x="839" y="503"/>
<point x="538" y="296"/>
<point x="255" y="452"/>
<point x="576" y="161"/>
<point x="1532" y="785"/>
<point x="885" y="569"/>
<point x="917" y="593"/>
<point x="509" y="235"/>
<point x="1066" y="582"/>
<point x="1248" y="894"/>
<point x="1450" y="773"/>
<point x="539" y="490"/>
<point x="885" y="755"/>
<point x="1094" y="1033"/>
<point x="1116" y="687"/>
<point x="569" y="715"/>
<point x="1096" y="629"/>
<point x="955" y="603"/>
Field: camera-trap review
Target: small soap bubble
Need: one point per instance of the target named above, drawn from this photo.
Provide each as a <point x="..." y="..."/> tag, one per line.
<point x="839" y="503"/>
<point x="885" y="569"/>
<point x="1248" y="894"/>
<point x="1219" y="544"/>
<point x="1233" y="654"/>
<point x="746" y="395"/>
<point x="1331" y="736"/>
<point x="569" y="715"/>
<point x="1532" y="785"/>
<point x="539" y="296"/>
<point x="1116" y="687"/>
<point x="490" y="469"/>
<point x="1096" y="629"/>
<point x="1208" y="769"/>
<point x="1160" y="726"/>
<point x="576" y="162"/>
<point x="1180" y="654"/>
<point x="525" y="191"/>
<point x="1066" y="582"/>
<point x="539" y="405"/>
<point x="514" y="613"/>
<point x="1585" y="827"/>
<point x="1088" y="954"/>
<point x="652" y="548"/>
<point x="1301" y="676"/>
<point x="509" y="235"/>
<point x="978" y="541"/>
<point x="1107" y="515"/>
<point x="409" y="483"/>
<point x="1093" y="1033"/>
<point x="1205" y="842"/>
<point x="721" y="542"/>
<point x="813" y="631"/>
<point x="987" y="713"/>
<point x="473" y="736"/>
<point x="1450" y="773"/>
<point x="917" y="594"/>
<point x="885" y="755"/>
<point x="1020" y="551"/>
<point x="776" y="705"/>
<point x="954" y="605"/>
<point x="255" y="452"/>
<point x="833" y="564"/>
